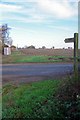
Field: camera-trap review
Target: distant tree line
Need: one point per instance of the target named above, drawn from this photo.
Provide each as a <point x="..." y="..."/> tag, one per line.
<point x="33" y="47"/>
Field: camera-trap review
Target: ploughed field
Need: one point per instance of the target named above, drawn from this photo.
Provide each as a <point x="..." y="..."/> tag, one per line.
<point x="39" y="56"/>
<point x="49" y="52"/>
<point x="51" y="55"/>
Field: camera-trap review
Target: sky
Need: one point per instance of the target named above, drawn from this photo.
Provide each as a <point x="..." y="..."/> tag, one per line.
<point x="40" y="22"/>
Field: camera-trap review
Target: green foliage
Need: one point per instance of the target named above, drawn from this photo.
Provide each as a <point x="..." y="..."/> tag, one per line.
<point x="68" y="99"/>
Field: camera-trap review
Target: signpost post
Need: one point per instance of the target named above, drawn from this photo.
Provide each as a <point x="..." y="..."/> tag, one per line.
<point x="76" y="55"/>
<point x="79" y="25"/>
<point x="75" y="40"/>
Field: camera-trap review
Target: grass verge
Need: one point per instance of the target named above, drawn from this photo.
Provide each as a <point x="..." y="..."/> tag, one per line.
<point x="51" y="99"/>
<point x="27" y="101"/>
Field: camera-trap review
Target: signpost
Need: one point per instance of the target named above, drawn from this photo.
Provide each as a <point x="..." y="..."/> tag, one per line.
<point x="69" y="40"/>
<point x="79" y="25"/>
<point x="75" y="40"/>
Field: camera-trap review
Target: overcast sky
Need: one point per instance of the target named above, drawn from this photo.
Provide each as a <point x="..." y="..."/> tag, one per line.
<point x="40" y="22"/>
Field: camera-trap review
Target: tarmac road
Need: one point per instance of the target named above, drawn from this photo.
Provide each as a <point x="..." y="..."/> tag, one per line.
<point x="21" y="73"/>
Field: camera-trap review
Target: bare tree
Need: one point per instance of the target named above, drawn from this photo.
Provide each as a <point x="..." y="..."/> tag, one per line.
<point x="4" y="36"/>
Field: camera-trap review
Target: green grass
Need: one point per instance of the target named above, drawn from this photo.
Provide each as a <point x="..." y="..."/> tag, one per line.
<point x="51" y="99"/>
<point x="36" y="59"/>
<point x="27" y="101"/>
<point x="18" y="57"/>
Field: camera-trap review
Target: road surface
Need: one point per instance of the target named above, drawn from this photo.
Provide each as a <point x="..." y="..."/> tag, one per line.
<point x="21" y="73"/>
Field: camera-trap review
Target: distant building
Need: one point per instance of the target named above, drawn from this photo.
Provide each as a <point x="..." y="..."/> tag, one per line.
<point x="13" y="47"/>
<point x="6" y="50"/>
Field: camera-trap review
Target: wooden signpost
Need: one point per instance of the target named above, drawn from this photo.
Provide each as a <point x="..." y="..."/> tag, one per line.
<point x="75" y="40"/>
<point x="69" y="40"/>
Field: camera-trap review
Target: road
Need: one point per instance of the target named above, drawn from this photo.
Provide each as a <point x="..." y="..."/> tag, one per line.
<point x="21" y="73"/>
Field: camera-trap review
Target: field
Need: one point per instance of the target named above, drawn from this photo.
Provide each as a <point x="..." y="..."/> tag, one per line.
<point x="39" y="56"/>
<point x="48" y="52"/>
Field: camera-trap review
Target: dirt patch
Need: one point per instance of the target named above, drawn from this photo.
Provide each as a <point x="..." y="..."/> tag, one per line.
<point x="28" y="79"/>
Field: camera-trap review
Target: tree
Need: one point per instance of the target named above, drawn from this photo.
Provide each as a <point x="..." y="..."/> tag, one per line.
<point x="53" y="47"/>
<point x="4" y="33"/>
<point x="31" y="47"/>
<point x="9" y="41"/>
<point x="43" y="47"/>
